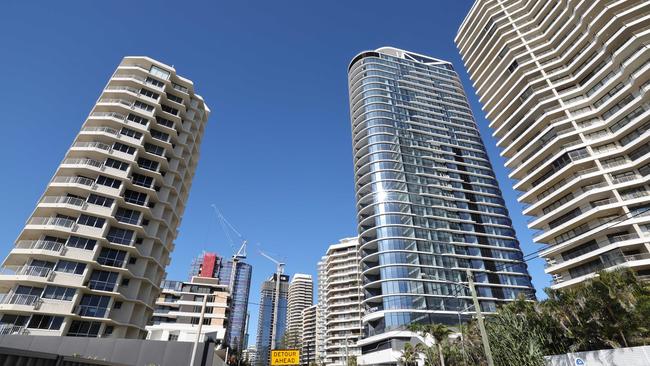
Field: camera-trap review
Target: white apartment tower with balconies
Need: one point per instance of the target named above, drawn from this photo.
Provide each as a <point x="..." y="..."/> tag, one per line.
<point x="565" y="87"/>
<point x="90" y="259"/>
<point x="301" y="296"/>
<point x="342" y="302"/>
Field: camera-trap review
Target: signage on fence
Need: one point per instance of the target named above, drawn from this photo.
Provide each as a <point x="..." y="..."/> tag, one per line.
<point x="580" y="362"/>
<point x="285" y="357"/>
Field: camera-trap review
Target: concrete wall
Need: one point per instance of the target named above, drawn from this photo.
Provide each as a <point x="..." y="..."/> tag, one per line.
<point x="128" y="352"/>
<point x="634" y="356"/>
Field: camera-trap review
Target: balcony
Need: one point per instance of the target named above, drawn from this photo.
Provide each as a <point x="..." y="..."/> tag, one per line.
<point x="91" y="311"/>
<point x="31" y="271"/>
<point x="73" y="180"/>
<point x="63" y="200"/>
<point x="19" y="299"/>
<point x="51" y="221"/>
<point x="47" y="245"/>
<point x="6" y="329"/>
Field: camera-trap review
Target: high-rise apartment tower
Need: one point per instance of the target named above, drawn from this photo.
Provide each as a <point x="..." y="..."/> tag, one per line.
<point x="565" y="87"/>
<point x="343" y="297"/>
<point x="90" y="259"/>
<point x="266" y="319"/>
<point x="428" y="204"/>
<point x="301" y="296"/>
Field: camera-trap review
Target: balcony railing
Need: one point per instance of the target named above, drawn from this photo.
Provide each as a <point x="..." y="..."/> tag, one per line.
<point x="40" y="244"/>
<point x="109" y="114"/>
<point x="123" y="102"/>
<point x="93" y="145"/>
<point x="108" y="130"/>
<point x="26" y="271"/>
<point x="51" y="221"/>
<point x="90" y="162"/>
<point x="19" y="299"/>
<point x="74" y="180"/>
<point x="6" y="329"/>
<point x="63" y="200"/>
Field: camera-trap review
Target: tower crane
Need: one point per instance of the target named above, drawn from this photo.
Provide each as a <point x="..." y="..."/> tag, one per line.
<point x="240" y="254"/>
<point x="278" y="273"/>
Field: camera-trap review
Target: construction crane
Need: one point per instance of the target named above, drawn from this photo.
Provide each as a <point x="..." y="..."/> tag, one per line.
<point x="279" y="270"/>
<point x="240" y="254"/>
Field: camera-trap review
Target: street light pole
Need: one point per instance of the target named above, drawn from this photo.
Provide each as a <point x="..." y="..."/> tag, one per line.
<point x="481" y="324"/>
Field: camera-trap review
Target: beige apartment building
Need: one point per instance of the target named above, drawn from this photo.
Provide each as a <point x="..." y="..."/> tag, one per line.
<point x="308" y="354"/>
<point x="91" y="257"/>
<point x="342" y="302"/>
<point x="178" y="311"/>
<point x="564" y="85"/>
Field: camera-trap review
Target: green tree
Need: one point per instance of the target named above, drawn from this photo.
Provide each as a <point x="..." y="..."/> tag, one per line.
<point x="410" y="354"/>
<point x="352" y="361"/>
<point x="439" y="332"/>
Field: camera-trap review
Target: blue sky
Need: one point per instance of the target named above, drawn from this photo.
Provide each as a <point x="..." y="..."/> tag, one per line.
<point x="276" y="157"/>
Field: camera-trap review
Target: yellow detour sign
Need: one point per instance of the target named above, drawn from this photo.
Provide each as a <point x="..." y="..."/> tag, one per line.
<point x="280" y="357"/>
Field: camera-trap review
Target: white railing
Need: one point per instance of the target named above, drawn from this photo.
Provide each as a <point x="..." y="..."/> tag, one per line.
<point x="74" y="180"/>
<point x="19" y="299"/>
<point x="120" y="88"/>
<point x="622" y="237"/>
<point x="90" y="162"/>
<point x="116" y="101"/>
<point x="26" y="271"/>
<point x="6" y="329"/>
<point x="40" y="244"/>
<point x="108" y="130"/>
<point x="92" y="144"/>
<point x="109" y="114"/>
<point x="624" y="179"/>
<point x="63" y="200"/>
<point x="129" y="76"/>
<point x="56" y="221"/>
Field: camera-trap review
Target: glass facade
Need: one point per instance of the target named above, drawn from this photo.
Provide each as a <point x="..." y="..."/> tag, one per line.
<point x="239" y="301"/>
<point x="428" y="204"/>
<point x="265" y="319"/>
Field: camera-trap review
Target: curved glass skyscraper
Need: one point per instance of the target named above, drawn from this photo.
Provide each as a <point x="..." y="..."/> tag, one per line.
<point x="428" y="204"/>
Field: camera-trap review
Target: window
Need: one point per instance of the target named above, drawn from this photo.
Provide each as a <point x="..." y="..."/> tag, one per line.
<point x="45" y="322"/>
<point x="124" y="148"/>
<point x="108" y="330"/>
<point x="159" y="135"/>
<point x="141" y="180"/>
<point x="94" y="305"/>
<point x="91" y="221"/>
<point x="145" y="106"/>
<point x="125" y="282"/>
<point x="513" y="66"/>
<point x="164" y="122"/>
<point x="169" y="109"/>
<point x="127" y="216"/>
<point x="147" y="164"/>
<point x="134" y="197"/>
<point x="149" y="93"/>
<point x="111" y="257"/>
<point x="155" y="82"/>
<point x="172" y="337"/>
<point x="527" y="93"/>
<point x="154" y="149"/>
<point x="102" y="280"/>
<point x="116" y="164"/>
<point x="131" y="133"/>
<point x="16" y="320"/>
<point x="119" y="236"/>
<point x="100" y="200"/>
<point x="133" y="260"/>
<point x="179" y="87"/>
<point x="137" y="119"/>
<point x="70" y="267"/>
<point x="503" y="52"/>
<point x="109" y="182"/>
<point x="80" y="328"/>
<point x="158" y="72"/>
<point x="59" y="293"/>
<point x="81" y="243"/>
<point x="28" y="290"/>
<point x="117" y="305"/>
<point x="174" y="98"/>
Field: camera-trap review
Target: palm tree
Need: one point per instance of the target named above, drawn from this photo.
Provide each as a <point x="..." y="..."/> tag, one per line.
<point x="439" y="332"/>
<point x="410" y="354"/>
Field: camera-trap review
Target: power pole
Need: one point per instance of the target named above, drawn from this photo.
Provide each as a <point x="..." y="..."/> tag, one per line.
<point x="481" y="324"/>
<point x="198" y="334"/>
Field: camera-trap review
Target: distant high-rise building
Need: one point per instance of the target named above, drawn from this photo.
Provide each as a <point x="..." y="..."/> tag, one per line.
<point x="565" y="87"/>
<point x="301" y="296"/>
<point x="178" y="311"/>
<point x="91" y="257"/>
<point x="266" y="319"/>
<point x="308" y="339"/>
<point x="321" y="312"/>
<point x="428" y="204"/>
<point x="250" y="354"/>
<point x="343" y="297"/>
<point x="211" y="265"/>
